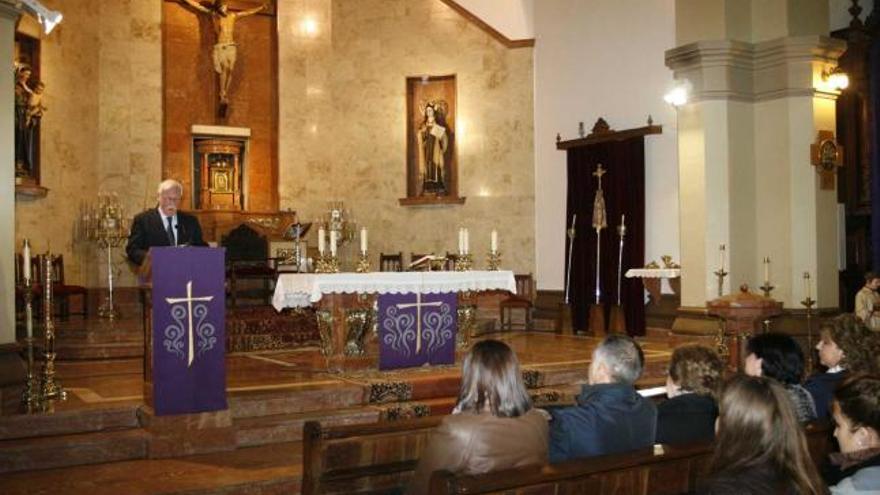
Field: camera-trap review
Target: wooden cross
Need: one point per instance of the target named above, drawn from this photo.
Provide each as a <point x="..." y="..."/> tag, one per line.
<point x="418" y="305"/>
<point x="189" y="306"/>
<point x="599" y="173"/>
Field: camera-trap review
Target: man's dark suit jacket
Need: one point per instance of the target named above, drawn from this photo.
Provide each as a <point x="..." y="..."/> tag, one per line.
<point x="686" y="418"/>
<point x="608" y="418"/>
<point x="148" y="230"/>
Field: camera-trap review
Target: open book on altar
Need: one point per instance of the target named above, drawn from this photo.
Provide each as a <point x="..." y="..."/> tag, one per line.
<point x="427" y="263"/>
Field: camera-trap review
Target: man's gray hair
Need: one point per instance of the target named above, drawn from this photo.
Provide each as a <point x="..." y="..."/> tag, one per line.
<point x="623" y="357"/>
<point x="169" y="184"/>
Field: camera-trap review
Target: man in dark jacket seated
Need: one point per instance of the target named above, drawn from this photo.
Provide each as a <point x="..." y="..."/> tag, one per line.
<point x="610" y="416"/>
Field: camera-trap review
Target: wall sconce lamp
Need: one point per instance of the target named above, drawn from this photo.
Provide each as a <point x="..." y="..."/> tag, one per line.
<point x="836" y="78"/>
<point x="47" y="18"/>
<point x="679" y="94"/>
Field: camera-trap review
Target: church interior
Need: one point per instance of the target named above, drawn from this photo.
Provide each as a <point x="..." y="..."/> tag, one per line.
<point x="679" y="171"/>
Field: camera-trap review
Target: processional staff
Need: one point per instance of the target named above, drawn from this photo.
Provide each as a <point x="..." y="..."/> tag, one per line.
<point x="600" y="221"/>
<point x="571" y="234"/>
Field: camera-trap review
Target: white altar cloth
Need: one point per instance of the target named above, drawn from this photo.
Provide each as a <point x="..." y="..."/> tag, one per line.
<point x="297" y="290"/>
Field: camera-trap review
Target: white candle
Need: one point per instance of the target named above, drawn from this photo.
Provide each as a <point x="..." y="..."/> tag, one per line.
<point x="364" y="241"/>
<point x="332" y="243"/>
<point x="767" y="271"/>
<point x="494" y="242"/>
<point x="26" y="254"/>
<point x="466" y="242"/>
<point x="321" y="241"/>
<point x="460" y="240"/>
<point x="721" y="252"/>
<point x="807" y="285"/>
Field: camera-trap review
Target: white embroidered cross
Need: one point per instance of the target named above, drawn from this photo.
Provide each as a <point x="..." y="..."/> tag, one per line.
<point x="418" y="305"/>
<point x="189" y="307"/>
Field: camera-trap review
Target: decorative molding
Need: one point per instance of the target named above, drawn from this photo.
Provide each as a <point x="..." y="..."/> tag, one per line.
<point x="390" y="391"/>
<point x="432" y="201"/>
<point x="504" y="40"/>
<point x="30" y="191"/>
<point x="602" y="133"/>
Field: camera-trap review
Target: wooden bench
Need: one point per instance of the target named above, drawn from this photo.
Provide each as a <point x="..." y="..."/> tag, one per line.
<point x="364" y="458"/>
<point x="674" y="469"/>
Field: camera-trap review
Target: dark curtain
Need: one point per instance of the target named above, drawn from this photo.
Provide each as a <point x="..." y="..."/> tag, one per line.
<point x="874" y="98"/>
<point x="624" y="188"/>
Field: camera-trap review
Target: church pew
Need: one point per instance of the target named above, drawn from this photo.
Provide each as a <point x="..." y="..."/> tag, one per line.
<point x="364" y="458"/>
<point x="672" y="469"/>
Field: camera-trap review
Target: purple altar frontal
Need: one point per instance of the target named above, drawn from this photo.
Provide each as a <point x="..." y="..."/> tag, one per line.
<point x="417" y="329"/>
<point x="188" y="315"/>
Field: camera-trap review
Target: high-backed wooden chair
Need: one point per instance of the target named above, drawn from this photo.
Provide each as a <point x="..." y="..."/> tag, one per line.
<point x="61" y="292"/>
<point x="247" y="258"/>
<point x="523" y="299"/>
<point x="391" y="262"/>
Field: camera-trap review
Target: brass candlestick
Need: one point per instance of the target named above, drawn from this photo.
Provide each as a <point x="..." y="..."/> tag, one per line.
<point x="809" y="303"/>
<point x="50" y="387"/>
<point x="363" y="263"/>
<point x="29" y="398"/>
<point x="463" y="263"/>
<point x="766" y="289"/>
<point x="494" y="260"/>
<point x="327" y="264"/>
<point x="720" y="273"/>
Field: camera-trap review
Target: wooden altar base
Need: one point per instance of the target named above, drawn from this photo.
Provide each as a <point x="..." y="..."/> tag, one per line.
<point x="95" y="442"/>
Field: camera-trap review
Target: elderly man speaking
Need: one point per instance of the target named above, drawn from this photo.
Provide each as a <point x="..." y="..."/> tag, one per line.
<point x="610" y="416"/>
<point x="163" y="225"/>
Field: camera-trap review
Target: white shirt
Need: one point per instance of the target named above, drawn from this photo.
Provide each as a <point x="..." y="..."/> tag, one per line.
<point x="174" y="226"/>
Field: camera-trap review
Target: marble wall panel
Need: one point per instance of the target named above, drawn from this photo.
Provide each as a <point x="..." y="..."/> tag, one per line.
<point x="342" y="130"/>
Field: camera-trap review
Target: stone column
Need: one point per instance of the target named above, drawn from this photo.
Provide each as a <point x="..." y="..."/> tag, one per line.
<point x="757" y="103"/>
<point x="8" y="16"/>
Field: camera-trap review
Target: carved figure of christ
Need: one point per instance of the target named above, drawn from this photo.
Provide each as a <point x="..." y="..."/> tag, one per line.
<point x="189" y="313"/>
<point x="418" y="305"/>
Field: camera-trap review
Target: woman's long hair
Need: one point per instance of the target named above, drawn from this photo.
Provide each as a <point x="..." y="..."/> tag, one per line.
<point x="757" y="426"/>
<point x="491" y="380"/>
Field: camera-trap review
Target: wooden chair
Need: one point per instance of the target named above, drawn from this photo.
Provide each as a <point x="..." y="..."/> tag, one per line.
<point x="523" y="299"/>
<point x="366" y="458"/>
<point x="247" y="258"/>
<point x="61" y="292"/>
<point x="391" y="262"/>
<point x="451" y="258"/>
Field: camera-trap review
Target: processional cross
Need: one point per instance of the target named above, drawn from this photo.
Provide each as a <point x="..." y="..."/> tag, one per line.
<point x="418" y="305"/>
<point x="189" y="307"/>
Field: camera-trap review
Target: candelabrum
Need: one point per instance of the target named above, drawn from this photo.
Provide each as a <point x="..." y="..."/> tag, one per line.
<point x="494" y="260"/>
<point x="338" y="219"/>
<point x="463" y="262"/>
<point x="363" y="263"/>
<point x="809" y="303"/>
<point x="50" y="388"/>
<point x="327" y="264"/>
<point x="720" y="273"/>
<point x="104" y="223"/>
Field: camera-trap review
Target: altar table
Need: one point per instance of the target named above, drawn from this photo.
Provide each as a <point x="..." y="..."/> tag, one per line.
<point x="345" y="301"/>
<point x="652" y="277"/>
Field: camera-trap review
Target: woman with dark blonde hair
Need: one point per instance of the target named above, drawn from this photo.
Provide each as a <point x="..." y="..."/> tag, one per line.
<point x="760" y="447"/>
<point x="492" y="427"/>
<point x="692" y="386"/>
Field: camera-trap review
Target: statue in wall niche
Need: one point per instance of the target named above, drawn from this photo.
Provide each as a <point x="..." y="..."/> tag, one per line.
<point x="433" y="145"/>
<point x="224" y="54"/>
<point x="29" y="110"/>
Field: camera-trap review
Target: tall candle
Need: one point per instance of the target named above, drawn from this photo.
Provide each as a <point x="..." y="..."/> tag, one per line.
<point x="364" y="241"/>
<point x="807" y="285"/>
<point x="721" y="253"/>
<point x="26" y="254"/>
<point x="321" y="241"/>
<point x="466" y="242"/>
<point x="460" y="240"/>
<point x="494" y="242"/>
<point x="767" y="271"/>
<point x="332" y="243"/>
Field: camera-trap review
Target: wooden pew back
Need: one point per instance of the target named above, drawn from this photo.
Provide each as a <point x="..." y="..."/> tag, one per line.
<point x="674" y="469"/>
<point x="366" y="458"/>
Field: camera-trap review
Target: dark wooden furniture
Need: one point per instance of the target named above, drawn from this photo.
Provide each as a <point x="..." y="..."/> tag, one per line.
<point x="247" y="259"/>
<point x="368" y="458"/>
<point x="674" y="470"/>
<point x="524" y="299"/>
<point x="391" y="262"/>
<point x="451" y="258"/>
<point x="61" y="291"/>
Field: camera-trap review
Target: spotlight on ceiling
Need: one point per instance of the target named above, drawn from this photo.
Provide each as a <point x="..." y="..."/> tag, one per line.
<point x="47" y="18"/>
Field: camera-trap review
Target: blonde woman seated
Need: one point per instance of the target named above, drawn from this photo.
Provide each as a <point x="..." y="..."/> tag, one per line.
<point x="492" y="427"/>
<point x="692" y="386"/>
<point x="760" y="447"/>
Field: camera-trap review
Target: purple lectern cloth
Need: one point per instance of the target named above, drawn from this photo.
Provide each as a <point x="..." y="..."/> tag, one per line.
<point x="189" y="302"/>
<point x="399" y="342"/>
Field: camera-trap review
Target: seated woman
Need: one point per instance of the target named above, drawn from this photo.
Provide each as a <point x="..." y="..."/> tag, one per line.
<point x="492" y="427"/>
<point x="856" y="410"/>
<point x="778" y="356"/>
<point x="692" y="387"/>
<point x="760" y="448"/>
<point x="844" y="345"/>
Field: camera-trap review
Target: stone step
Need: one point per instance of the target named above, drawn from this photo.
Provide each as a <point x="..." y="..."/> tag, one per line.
<point x="277" y="428"/>
<point x="294" y="400"/>
<point x="67" y="422"/>
<point x="72" y="450"/>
